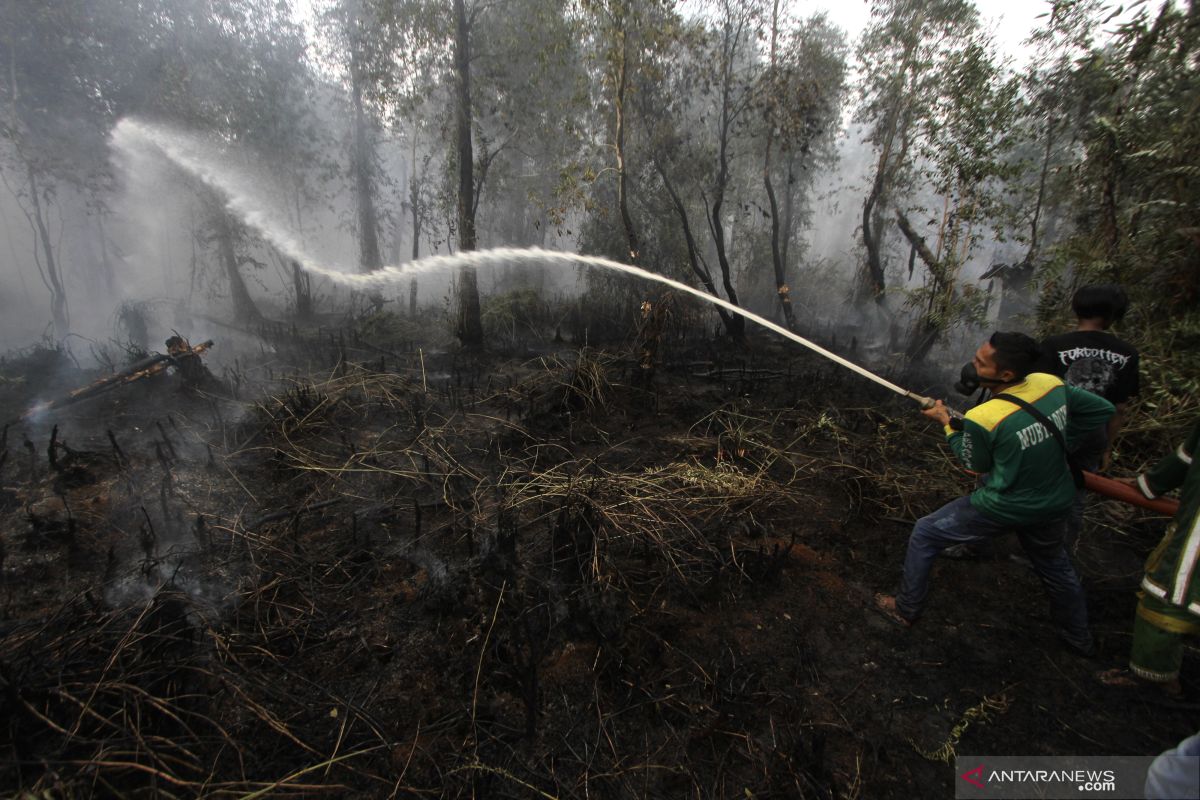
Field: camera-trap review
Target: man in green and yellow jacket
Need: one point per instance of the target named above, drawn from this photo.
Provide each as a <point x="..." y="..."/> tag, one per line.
<point x="1028" y="487"/>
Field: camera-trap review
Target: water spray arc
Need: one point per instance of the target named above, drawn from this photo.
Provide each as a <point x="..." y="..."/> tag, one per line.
<point x="200" y="159"/>
<point x="184" y="150"/>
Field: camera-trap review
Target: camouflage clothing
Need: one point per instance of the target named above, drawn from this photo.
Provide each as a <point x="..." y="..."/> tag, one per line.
<point x="1170" y="597"/>
<point x="1171" y="572"/>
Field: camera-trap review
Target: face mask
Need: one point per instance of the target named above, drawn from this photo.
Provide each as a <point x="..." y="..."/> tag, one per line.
<point x="969" y="380"/>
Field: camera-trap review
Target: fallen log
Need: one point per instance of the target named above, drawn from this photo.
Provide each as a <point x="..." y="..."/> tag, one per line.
<point x="151" y="365"/>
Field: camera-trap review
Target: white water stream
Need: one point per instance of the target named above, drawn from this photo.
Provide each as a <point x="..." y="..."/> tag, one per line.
<point x="205" y="161"/>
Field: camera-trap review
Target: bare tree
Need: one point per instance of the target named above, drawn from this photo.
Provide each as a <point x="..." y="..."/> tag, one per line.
<point x="470" y="326"/>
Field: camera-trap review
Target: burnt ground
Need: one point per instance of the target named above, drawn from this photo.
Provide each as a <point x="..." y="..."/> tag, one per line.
<point x="557" y="575"/>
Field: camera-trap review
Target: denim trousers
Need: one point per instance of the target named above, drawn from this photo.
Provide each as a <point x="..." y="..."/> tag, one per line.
<point x="958" y="522"/>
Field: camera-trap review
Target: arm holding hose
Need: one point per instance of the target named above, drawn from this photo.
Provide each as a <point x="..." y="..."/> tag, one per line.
<point x="1171" y="470"/>
<point x="969" y="447"/>
<point x="968" y="441"/>
<point x="1088" y="411"/>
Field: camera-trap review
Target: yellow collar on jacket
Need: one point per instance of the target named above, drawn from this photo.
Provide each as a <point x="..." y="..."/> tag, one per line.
<point x="1035" y="386"/>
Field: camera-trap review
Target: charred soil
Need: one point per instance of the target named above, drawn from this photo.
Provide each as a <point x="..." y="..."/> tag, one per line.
<point x="558" y="575"/>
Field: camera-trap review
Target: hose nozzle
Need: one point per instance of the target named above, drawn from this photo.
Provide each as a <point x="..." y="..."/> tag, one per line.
<point x="929" y="402"/>
<point x="923" y="401"/>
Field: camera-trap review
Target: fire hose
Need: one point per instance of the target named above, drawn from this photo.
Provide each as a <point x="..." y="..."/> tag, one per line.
<point x="1128" y="494"/>
<point x="1093" y="482"/>
<point x="1108" y="487"/>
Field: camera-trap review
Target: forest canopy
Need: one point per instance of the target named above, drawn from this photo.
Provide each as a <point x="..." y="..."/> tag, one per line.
<point x="915" y="182"/>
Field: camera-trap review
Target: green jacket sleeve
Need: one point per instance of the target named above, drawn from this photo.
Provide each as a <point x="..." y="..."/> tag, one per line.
<point x="1085" y="413"/>
<point x="1170" y="472"/>
<point x="972" y="445"/>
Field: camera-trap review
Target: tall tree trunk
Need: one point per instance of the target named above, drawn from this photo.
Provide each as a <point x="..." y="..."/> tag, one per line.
<point x="931" y="325"/>
<point x="789" y="207"/>
<point x="369" y="258"/>
<point x="302" y="282"/>
<point x="244" y="309"/>
<point x="1035" y="223"/>
<point x="738" y="329"/>
<point x="397" y="243"/>
<point x="622" y="85"/>
<point x="414" y="204"/>
<point x="470" y="325"/>
<point x="52" y="274"/>
<point x="194" y="264"/>
<point x="414" y="194"/>
<point x="1015" y="282"/>
<point x="872" y="281"/>
<point x="693" y="252"/>
<point x="16" y="260"/>
<point x="924" y="336"/>
<point x="782" y="291"/>
<point x="106" y="267"/>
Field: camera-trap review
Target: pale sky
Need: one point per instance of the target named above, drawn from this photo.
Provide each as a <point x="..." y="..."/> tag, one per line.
<point x="1011" y="21"/>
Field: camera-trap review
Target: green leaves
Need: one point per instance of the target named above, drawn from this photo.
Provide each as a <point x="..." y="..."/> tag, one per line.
<point x="938" y="109"/>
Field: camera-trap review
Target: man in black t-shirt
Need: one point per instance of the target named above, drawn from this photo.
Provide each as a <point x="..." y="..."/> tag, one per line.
<point x="1091" y="358"/>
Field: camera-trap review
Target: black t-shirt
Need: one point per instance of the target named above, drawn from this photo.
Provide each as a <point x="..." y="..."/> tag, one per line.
<point x="1094" y="360"/>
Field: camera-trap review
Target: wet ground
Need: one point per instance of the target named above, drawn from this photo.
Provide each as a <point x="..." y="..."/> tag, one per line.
<point x="395" y="573"/>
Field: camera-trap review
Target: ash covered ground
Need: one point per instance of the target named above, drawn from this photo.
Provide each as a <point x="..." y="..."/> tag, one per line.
<point x="368" y="569"/>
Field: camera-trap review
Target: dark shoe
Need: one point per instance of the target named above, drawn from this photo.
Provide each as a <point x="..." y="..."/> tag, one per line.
<point x="885" y="606"/>
<point x="1085" y="650"/>
<point x="1122" y="678"/>
<point x="1020" y="558"/>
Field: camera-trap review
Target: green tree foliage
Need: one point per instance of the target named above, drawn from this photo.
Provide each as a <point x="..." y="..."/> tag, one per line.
<point x="629" y="41"/>
<point x="903" y="56"/>
<point x="964" y="163"/>
<point x="61" y="88"/>
<point x="710" y="122"/>
<point x="800" y="98"/>
<point x="350" y="26"/>
<point x="232" y="67"/>
<point x="235" y="69"/>
<point x="1139" y="175"/>
<point x="939" y="109"/>
<point x="682" y="136"/>
<point x="502" y="79"/>
<point x="1130" y="185"/>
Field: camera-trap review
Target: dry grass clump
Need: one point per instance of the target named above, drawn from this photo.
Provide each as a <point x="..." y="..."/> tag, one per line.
<point x="682" y="516"/>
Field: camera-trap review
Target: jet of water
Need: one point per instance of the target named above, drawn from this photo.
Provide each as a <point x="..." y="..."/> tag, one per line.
<point x="205" y="162"/>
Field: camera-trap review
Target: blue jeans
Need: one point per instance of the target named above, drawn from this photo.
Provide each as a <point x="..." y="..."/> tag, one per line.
<point x="958" y="522"/>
